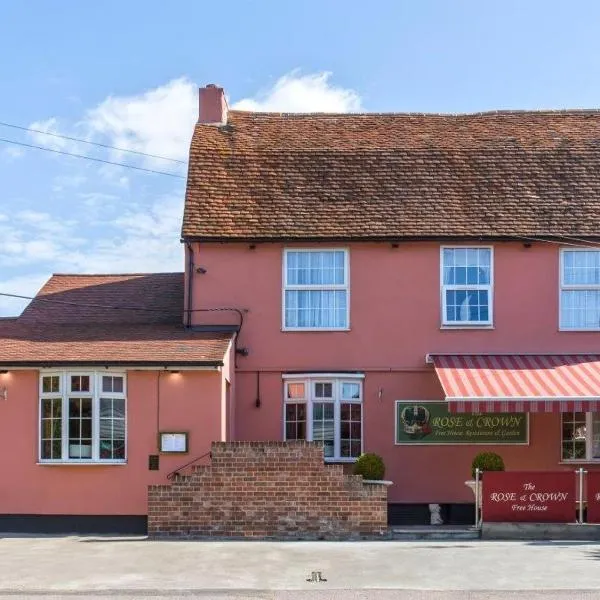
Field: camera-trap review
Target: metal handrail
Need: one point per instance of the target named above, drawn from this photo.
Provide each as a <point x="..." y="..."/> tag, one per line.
<point x="175" y="472"/>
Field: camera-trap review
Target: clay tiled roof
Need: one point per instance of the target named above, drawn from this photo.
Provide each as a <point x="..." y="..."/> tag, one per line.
<point x="393" y="176"/>
<point x="80" y="298"/>
<point x="75" y="319"/>
<point x="155" y="344"/>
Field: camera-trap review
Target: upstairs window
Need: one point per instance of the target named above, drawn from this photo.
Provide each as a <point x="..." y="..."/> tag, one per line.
<point x="82" y="417"/>
<point x="315" y="295"/>
<point x="580" y="290"/>
<point x="467" y="282"/>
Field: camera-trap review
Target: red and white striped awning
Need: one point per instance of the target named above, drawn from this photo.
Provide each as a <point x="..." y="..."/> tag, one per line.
<point x="519" y="382"/>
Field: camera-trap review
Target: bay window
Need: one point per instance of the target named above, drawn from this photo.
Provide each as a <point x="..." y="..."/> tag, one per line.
<point x="580" y="289"/>
<point x="82" y="417"/>
<point x="327" y="410"/>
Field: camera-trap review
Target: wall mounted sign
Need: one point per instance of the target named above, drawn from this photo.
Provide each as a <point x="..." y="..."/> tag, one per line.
<point x="529" y="496"/>
<point x="173" y="441"/>
<point x="432" y="423"/>
<point x="593" y="496"/>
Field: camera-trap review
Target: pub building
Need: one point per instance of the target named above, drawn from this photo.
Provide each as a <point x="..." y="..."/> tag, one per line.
<point x="421" y="286"/>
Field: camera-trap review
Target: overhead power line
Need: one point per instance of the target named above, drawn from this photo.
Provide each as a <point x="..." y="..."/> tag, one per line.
<point x="114" y="307"/>
<point x="100" y="160"/>
<point x="81" y="141"/>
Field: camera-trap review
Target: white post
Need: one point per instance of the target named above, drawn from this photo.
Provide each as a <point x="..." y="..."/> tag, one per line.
<point x="581" y="472"/>
<point x="477" y="501"/>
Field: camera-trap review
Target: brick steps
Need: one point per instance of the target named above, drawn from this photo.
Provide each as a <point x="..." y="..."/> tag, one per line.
<point x="268" y="490"/>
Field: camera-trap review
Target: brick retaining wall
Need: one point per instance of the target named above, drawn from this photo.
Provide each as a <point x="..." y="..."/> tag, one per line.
<point x="267" y="490"/>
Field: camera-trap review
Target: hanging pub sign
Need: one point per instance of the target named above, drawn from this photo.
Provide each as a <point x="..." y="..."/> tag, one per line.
<point x="593" y="496"/>
<point x="432" y="423"/>
<point x="528" y="496"/>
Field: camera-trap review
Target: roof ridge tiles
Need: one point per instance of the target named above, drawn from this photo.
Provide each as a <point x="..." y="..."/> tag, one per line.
<point x="482" y="113"/>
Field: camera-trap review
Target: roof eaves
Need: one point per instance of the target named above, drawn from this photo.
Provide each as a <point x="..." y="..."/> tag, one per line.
<point x="7" y="364"/>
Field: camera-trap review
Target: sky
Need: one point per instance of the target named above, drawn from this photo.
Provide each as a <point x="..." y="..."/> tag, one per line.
<point x="126" y="74"/>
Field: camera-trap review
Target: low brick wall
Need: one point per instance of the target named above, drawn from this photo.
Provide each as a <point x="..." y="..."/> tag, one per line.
<point x="275" y="490"/>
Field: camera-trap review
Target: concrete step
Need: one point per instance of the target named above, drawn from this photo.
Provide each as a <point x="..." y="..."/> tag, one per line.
<point x="435" y="532"/>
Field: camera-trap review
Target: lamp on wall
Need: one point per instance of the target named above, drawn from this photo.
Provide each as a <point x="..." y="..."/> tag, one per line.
<point x="3" y="388"/>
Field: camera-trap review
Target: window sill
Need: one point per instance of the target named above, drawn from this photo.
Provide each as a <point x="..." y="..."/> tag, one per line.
<point x="72" y="463"/>
<point x="313" y="329"/>
<point x="588" y="329"/>
<point x="595" y="461"/>
<point x="462" y="327"/>
<point x="333" y="461"/>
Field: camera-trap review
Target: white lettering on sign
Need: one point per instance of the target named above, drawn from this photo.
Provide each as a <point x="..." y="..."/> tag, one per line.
<point x="548" y="497"/>
<point x="503" y="497"/>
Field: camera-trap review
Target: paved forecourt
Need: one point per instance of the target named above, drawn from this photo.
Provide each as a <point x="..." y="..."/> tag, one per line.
<point x="74" y="565"/>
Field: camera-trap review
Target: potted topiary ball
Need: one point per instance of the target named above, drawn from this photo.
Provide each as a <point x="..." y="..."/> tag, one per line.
<point x="484" y="461"/>
<point x="370" y="466"/>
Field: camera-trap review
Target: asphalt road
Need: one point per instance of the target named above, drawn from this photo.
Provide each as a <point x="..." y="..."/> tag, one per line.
<point x="96" y="567"/>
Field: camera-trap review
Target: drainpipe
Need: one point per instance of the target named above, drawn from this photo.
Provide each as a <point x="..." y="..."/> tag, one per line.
<point x="190" y="250"/>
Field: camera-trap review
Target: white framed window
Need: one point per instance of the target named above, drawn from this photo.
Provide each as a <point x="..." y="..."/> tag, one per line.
<point x="83" y="417"/>
<point x="316" y="293"/>
<point x="327" y="409"/>
<point x="579" y="289"/>
<point x="467" y="285"/>
<point x="580" y="436"/>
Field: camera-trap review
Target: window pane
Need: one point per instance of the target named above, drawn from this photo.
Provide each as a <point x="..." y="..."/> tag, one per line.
<point x="295" y="390"/>
<point x="350" y="390"/>
<point x="316" y="309"/>
<point x="573" y="436"/>
<point x="80" y="383"/>
<point x="580" y="309"/>
<point x="112" y="383"/>
<point x="323" y="425"/>
<point x="467" y="305"/>
<point x="51" y="384"/>
<point x="581" y="267"/>
<point x="315" y="268"/>
<point x="596" y="435"/>
<point x="324" y="390"/>
<point x="295" y="422"/>
<point x="112" y="428"/>
<point x="80" y="428"/>
<point x="51" y="429"/>
<point x="350" y="429"/>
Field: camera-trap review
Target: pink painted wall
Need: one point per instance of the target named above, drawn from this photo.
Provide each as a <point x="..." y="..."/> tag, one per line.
<point x="189" y="401"/>
<point x="395" y="321"/>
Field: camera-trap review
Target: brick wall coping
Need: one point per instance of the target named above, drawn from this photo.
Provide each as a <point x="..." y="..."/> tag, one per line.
<point x="378" y="482"/>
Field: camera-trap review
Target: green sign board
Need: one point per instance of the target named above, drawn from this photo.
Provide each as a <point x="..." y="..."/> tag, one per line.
<point x="432" y="423"/>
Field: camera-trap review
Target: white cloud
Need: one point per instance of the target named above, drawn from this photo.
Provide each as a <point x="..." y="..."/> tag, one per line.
<point x="146" y="239"/>
<point x="63" y="182"/>
<point x="41" y="135"/>
<point x="159" y="121"/>
<point x="102" y="229"/>
<point x="303" y="93"/>
<point x="13" y="152"/>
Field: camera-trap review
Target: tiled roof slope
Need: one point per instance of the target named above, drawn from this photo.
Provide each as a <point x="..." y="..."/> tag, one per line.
<point x="73" y="320"/>
<point x="111" y="344"/>
<point x="388" y="176"/>
<point x="81" y="298"/>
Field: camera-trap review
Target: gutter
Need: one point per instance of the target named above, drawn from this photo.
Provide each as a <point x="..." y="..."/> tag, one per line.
<point x="140" y="364"/>
<point x="190" y="250"/>
<point x="388" y="239"/>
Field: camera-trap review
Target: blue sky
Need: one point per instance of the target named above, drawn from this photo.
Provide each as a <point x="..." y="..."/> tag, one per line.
<point x="126" y="74"/>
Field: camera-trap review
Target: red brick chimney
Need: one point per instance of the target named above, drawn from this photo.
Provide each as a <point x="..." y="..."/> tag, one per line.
<point x="213" y="106"/>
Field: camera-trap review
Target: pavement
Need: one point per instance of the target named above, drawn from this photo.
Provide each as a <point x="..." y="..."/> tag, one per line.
<point x="103" y="567"/>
